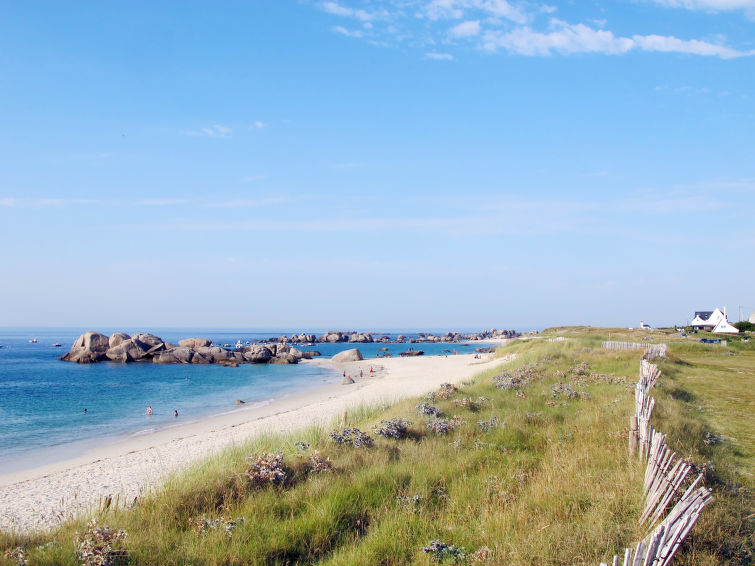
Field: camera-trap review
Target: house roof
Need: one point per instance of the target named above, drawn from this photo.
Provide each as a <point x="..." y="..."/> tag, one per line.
<point x="704" y="315"/>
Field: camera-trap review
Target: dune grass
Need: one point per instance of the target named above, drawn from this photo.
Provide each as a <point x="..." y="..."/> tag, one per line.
<point x="537" y="474"/>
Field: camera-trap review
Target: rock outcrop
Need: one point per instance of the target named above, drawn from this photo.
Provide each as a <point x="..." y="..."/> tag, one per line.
<point x="90" y="347"/>
<point x="195" y="343"/>
<point x="93" y="347"/>
<point x="129" y="350"/>
<point x="353" y="355"/>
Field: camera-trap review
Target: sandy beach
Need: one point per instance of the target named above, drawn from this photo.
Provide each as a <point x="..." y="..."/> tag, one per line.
<point x="39" y="499"/>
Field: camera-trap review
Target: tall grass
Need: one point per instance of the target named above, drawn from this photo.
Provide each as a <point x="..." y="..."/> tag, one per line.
<point x="549" y="482"/>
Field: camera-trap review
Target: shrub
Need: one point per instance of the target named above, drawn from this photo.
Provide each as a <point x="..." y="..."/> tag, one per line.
<point x="16" y="554"/>
<point x="98" y="545"/>
<point x="266" y="469"/>
<point x="202" y="525"/>
<point x="352" y="436"/>
<point x="487" y="426"/>
<point x="427" y="409"/>
<point x="394" y="428"/>
<point x="318" y="464"/>
<point x="442" y="552"/>
<point x="444" y="426"/>
<point x="446" y="390"/>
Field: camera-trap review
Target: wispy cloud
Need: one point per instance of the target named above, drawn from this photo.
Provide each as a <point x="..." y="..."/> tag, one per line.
<point x="439" y="56"/>
<point x="568" y="39"/>
<point x="258" y="124"/>
<point x="748" y="6"/>
<point x="12" y="202"/>
<point x="247" y="203"/>
<point x="344" y="11"/>
<point x="519" y="28"/>
<point x="214" y="131"/>
<point x="466" y="29"/>
<point x="348" y="32"/>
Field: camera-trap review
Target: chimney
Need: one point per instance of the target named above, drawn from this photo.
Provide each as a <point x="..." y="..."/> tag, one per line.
<point x="725" y="317"/>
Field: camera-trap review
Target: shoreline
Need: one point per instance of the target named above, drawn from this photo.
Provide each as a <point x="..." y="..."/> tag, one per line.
<point x="39" y="498"/>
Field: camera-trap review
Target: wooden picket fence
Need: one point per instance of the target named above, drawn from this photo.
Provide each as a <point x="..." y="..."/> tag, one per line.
<point x="664" y="476"/>
<point x="651" y="351"/>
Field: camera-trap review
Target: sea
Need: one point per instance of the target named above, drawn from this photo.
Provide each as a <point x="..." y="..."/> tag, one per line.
<point x="52" y="410"/>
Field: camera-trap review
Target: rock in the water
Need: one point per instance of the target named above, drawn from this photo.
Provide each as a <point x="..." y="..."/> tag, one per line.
<point x="154" y="350"/>
<point x="180" y="355"/>
<point x="353" y="355"/>
<point x="284" y="359"/>
<point x="257" y="354"/>
<point x="117" y="338"/>
<point x="90" y="347"/>
<point x="127" y="351"/>
<point x="195" y="343"/>
<point x="149" y="339"/>
<point x="309" y="354"/>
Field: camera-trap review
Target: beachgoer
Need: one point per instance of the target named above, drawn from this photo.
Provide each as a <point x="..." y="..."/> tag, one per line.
<point x="372" y="370"/>
<point x="149" y="410"/>
<point x="361" y="373"/>
<point x="175" y="413"/>
<point x="344" y="373"/>
<point x="85" y="410"/>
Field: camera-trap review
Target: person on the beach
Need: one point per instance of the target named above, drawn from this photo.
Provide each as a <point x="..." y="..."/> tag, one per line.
<point x="344" y="373"/>
<point x="361" y="373"/>
<point x="149" y="410"/>
<point x="372" y="370"/>
<point x="175" y="412"/>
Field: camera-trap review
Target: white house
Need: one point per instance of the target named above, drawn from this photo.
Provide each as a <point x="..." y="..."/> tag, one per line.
<point x="724" y="327"/>
<point x="713" y="321"/>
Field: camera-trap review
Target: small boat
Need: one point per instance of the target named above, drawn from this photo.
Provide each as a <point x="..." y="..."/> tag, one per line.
<point x="56" y="345"/>
<point x="33" y="341"/>
<point x="239" y="344"/>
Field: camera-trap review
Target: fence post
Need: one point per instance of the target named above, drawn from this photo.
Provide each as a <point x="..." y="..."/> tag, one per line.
<point x="634" y="435"/>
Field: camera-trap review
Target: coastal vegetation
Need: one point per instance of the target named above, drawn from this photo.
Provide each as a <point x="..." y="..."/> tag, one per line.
<point x="525" y="464"/>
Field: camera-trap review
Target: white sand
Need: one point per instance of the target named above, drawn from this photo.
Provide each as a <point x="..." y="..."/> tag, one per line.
<point x="39" y="499"/>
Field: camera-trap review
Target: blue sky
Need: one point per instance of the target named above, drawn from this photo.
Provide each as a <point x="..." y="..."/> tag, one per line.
<point x="373" y="164"/>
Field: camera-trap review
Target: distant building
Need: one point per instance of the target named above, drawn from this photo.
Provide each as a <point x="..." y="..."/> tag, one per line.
<point x="645" y="326"/>
<point x="713" y="321"/>
<point x="752" y="317"/>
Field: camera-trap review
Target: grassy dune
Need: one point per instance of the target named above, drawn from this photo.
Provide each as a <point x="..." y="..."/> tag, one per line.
<point x="549" y="483"/>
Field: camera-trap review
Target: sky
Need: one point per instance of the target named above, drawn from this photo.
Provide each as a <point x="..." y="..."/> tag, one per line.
<point x="376" y="164"/>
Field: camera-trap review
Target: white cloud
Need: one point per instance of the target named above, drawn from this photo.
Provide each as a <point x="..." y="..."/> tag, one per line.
<point x="439" y="56"/>
<point x="247" y="203"/>
<point x="710" y="5"/>
<point x="347" y="32"/>
<point x="456" y="9"/>
<point x="344" y="11"/>
<point x="567" y="39"/>
<point x="514" y="26"/>
<point x="466" y="29"/>
<point x="12" y="202"/>
<point x="259" y="124"/>
<point x="214" y="131"/>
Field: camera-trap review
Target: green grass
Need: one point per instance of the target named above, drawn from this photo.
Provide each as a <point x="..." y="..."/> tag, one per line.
<point x="552" y="485"/>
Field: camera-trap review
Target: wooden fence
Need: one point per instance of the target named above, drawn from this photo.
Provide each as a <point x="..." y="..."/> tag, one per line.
<point x="651" y="351"/>
<point x="664" y="476"/>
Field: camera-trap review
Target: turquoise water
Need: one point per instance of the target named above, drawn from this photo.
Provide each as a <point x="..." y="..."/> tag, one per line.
<point x="42" y="399"/>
